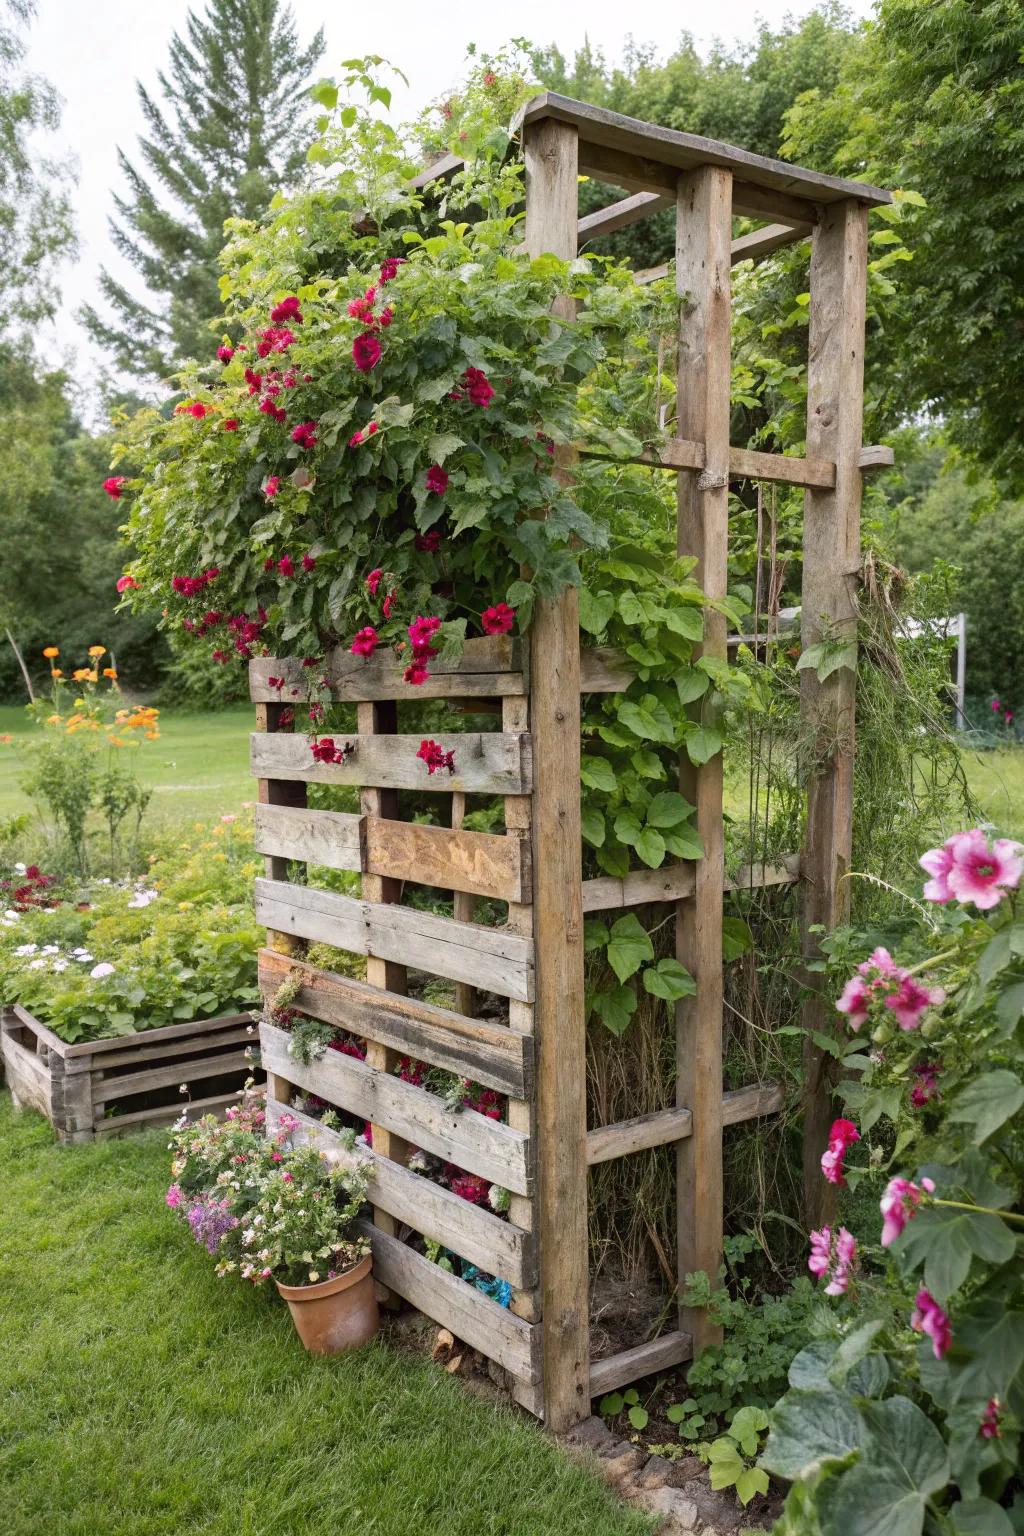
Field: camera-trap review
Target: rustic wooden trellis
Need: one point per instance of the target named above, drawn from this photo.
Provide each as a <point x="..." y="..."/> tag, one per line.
<point x="535" y="959"/>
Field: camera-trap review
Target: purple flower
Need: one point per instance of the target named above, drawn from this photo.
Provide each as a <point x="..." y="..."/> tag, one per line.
<point x="210" y="1220"/>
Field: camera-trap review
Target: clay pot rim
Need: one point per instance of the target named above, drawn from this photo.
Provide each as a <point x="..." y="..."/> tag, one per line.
<point x="342" y="1282"/>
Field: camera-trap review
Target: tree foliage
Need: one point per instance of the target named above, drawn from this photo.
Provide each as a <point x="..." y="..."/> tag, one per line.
<point x="232" y="128"/>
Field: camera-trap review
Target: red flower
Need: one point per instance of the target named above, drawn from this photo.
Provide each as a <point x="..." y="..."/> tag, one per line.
<point x="225" y="354"/>
<point x="231" y="425"/>
<point x="274" y="339"/>
<point x="416" y="672"/>
<point x="254" y="380"/>
<point x="268" y="408"/>
<point x="434" y="756"/>
<point x="308" y="563"/>
<point x="269" y="563"/>
<point x="373" y="581"/>
<point x="428" y="542"/>
<point x="478" y="387"/>
<point x="841" y="1136"/>
<point x="115" y="486"/>
<point x="212" y="618"/>
<point x="389" y="602"/>
<point x="498" y="620"/>
<point x="366" y="351"/>
<point x="471" y="1187"/>
<point x="272" y="486"/>
<point x="389" y="267"/>
<point x="326" y="751"/>
<point x="372" y="429"/>
<point x="221" y="656"/>
<point x="288" y="309"/>
<point x="490" y="78"/>
<point x="385" y="317"/>
<point x="198" y="410"/>
<point x="355" y="439"/>
<point x="436" y="480"/>
<point x="127" y="584"/>
<point x="421" y="633"/>
<point x="305" y="434"/>
<point x="365" y="642"/>
<point x="285" y="566"/>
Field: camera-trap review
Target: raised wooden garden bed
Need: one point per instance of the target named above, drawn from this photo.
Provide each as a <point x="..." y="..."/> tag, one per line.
<point x="132" y="1082"/>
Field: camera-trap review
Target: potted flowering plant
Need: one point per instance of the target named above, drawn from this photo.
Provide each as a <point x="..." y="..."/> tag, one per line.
<point x="267" y="1210"/>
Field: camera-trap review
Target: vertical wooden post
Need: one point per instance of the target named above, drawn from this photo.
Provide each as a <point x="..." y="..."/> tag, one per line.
<point x="835" y="391"/>
<point x="703" y="240"/>
<point x="379" y="719"/>
<point x="269" y="717"/>
<point x="552" y="159"/>
<point x="463" y="908"/>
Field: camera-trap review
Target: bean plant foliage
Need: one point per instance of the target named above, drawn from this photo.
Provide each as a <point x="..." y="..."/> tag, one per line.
<point x="377" y="460"/>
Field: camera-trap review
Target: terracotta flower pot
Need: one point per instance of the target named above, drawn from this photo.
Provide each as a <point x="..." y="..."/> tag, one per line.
<point x="337" y="1314"/>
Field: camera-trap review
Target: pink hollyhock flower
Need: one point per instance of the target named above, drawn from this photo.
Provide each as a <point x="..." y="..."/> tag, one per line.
<point x="854" y="1001"/>
<point x="389" y="267"/>
<point x="927" y="1086"/>
<point x="428" y="543"/>
<point x="115" y="485"/>
<point x="355" y="439"/>
<point x="288" y="309"/>
<point x="305" y="434"/>
<point x="127" y="584"/>
<point x="846" y="1258"/>
<point x="929" y="1318"/>
<point x="225" y="354"/>
<point x="989" y="1429"/>
<point x="272" y="486"/>
<point x="880" y="962"/>
<point x="478" y="387"/>
<point x="286" y="565"/>
<point x="842" y="1135"/>
<point x="996" y="706"/>
<point x="981" y="874"/>
<point x="821" y="1252"/>
<point x="899" y="1203"/>
<point x="416" y="672"/>
<point x="373" y="581"/>
<point x="1008" y="717"/>
<point x="911" y="1000"/>
<point x="498" y="620"/>
<point x="436" y="480"/>
<point x="308" y="563"/>
<point x="435" y="757"/>
<point x="173" y="1197"/>
<point x="937" y="862"/>
<point x="231" y="425"/>
<point x="365" y="642"/>
<point x="366" y="351"/>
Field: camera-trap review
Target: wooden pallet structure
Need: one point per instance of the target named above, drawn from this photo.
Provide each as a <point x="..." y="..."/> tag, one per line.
<point x="534" y="959"/>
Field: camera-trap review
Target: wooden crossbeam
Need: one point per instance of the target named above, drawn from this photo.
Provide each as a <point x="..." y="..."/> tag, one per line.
<point x="490" y="665"/>
<point x="621" y="214"/>
<point x="666" y="1126"/>
<point x="489" y="762"/>
<point x="660" y="1354"/>
<point x="674" y="882"/>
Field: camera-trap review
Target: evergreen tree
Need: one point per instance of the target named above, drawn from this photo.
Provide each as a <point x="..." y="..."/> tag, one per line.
<point x="233" y="127"/>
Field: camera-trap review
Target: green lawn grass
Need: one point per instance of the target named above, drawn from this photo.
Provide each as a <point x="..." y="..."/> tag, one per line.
<point x="142" y="1396"/>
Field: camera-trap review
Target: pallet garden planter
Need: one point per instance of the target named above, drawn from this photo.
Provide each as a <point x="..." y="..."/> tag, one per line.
<point x="102" y="1088"/>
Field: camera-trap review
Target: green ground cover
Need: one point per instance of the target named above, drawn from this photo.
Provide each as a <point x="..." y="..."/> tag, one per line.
<point x="142" y="1396"/>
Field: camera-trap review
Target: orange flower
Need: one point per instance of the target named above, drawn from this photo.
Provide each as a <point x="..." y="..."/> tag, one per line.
<point x="56" y="672"/>
<point x="97" y="650"/>
<point x="81" y="674"/>
<point x="51" y="651"/>
<point x="110" y="672"/>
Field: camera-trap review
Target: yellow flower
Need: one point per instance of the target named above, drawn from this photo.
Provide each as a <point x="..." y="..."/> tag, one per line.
<point x="152" y="735"/>
<point x="220" y="857"/>
<point x="115" y="741"/>
<point x="185" y="906"/>
<point x="51" y="651"/>
<point x="97" y="650"/>
<point x="82" y="674"/>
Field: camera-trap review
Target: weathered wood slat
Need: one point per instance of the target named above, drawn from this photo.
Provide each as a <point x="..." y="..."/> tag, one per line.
<point x="137" y="1054"/>
<point x="677" y="453"/>
<point x="603" y="669"/>
<point x="470" y="1140"/>
<point x="759" y="244"/>
<point x="165" y="1114"/>
<point x="621" y="214"/>
<point x="488" y="763"/>
<point x="456" y="1305"/>
<point x="636" y="1135"/>
<point x="489" y="958"/>
<point x="481" y="863"/>
<point x="27" y="1076"/>
<point x="631" y="1365"/>
<point x="489" y="665"/>
<point x="107" y="1088"/>
<point x="153" y="1036"/>
<point x="486" y="1053"/>
<point x="472" y="1232"/>
<point x="741" y="1104"/>
<point x="437" y="170"/>
<point x="335" y="839"/>
<point x="675" y="881"/>
<point x="877" y="456"/>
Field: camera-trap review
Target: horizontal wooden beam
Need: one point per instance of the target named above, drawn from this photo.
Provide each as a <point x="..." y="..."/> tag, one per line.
<point x="486" y="1053"/>
<point x="468" y="1139"/>
<point x="741" y="1104"/>
<point x="473" y="1232"/>
<point x="604" y="669"/>
<point x="877" y="456"/>
<point x="441" y="169"/>
<point x="744" y="463"/>
<point x="490" y="665"/>
<point x="165" y="1114"/>
<point x="486" y="763"/>
<point x="335" y="839"/>
<point x="661" y="1354"/>
<point x="674" y="882"/>
<point x="470" y="1315"/>
<point x="638" y="1134"/>
<point x="621" y="214"/>
<point x="492" y="959"/>
<point x="760" y="243"/>
<point x="105" y="1089"/>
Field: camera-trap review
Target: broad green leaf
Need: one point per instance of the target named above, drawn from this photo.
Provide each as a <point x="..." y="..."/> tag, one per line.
<point x="627" y="828"/>
<point x="596" y="608"/>
<point x="905" y="1439"/>
<point x="990" y="1343"/>
<point x="944" y="1242"/>
<point x="691" y="685"/>
<point x="810" y="1429"/>
<point x="726" y="1463"/>
<point x="612" y="1404"/>
<point x="980" y="1517"/>
<point x="629" y="946"/>
<point x="647" y="719"/>
<point x="595" y="935"/>
<point x="597" y="773"/>
<point x="988" y="1102"/>
<point x="647" y="764"/>
<point x="442" y="445"/>
<point x="684" y="842"/>
<point x="853" y="1349"/>
<point x="810" y="1368"/>
<point x="638" y="1417"/>
<point x="736" y="938"/>
<point x="650" y="845"/>
<point x="669" y="979"/>
<point x="615" y="1007"/>
<point x="668" y="809"/>
<point x="592" y="826"/>
<point x="750" y="1481"/>
<point x="687" y="622"/>
<point x="702" y="744"/>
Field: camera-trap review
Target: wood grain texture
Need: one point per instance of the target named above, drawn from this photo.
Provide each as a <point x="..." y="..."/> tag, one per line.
<point x="660" y="1354"/>
<point x="487" y="763"/>
<point x="703" y="239"/>
<point x="561" y="1209"/>
<point x="470" y="1140"/>
<point x="489" y="958"/>
<point x="164" y="1114"/>
<point x="489" y="1054"/>
<point x="335" y="839"/>
<point x="741" y="1104"/>
<point x="673" y="882"/>
<point x="471" y="1231"/>
<point x="107" y="1089"/>
<point x="831" y="562"/>
<point x="490" y="664"/>
<point x="466" y="1312"/>
<point x="620" y="215"/>
<point x="743" y="463"/>
<point x="273" y="723"/>
<point x="477" y="863"/>
<point x="636" y="1135"/>
<point x="463" y="910"/>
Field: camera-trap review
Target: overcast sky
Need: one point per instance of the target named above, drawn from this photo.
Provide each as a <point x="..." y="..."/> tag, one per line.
<point x="93" y="51"/>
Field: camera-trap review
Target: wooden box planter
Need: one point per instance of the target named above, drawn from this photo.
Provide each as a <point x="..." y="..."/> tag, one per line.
<point x="102" y="1088"/>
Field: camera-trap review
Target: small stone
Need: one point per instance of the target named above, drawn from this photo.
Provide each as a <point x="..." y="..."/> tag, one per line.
<point x="622" y="1463"/>
<point x="593" y="1433"/>
<point x="685" y="1470"/>
<point x="679" y="1514"/>
<point x="656" y="1473"/>
<point x="718" y="1509"/>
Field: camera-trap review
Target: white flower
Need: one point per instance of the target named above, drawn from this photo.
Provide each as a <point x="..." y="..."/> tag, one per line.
<point x="12" y="916"/>
<point x="82" y="956"/>
<point x="20" y="868"/>
<point x="60" y="965"/>
<point x="50" y="949"/>
<point x="103" y="969"/>
<point x="143" y="898"/>
<point x="79" y="949"/>
<point x="26" y="949"/>
<point x="37" y="965"/>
